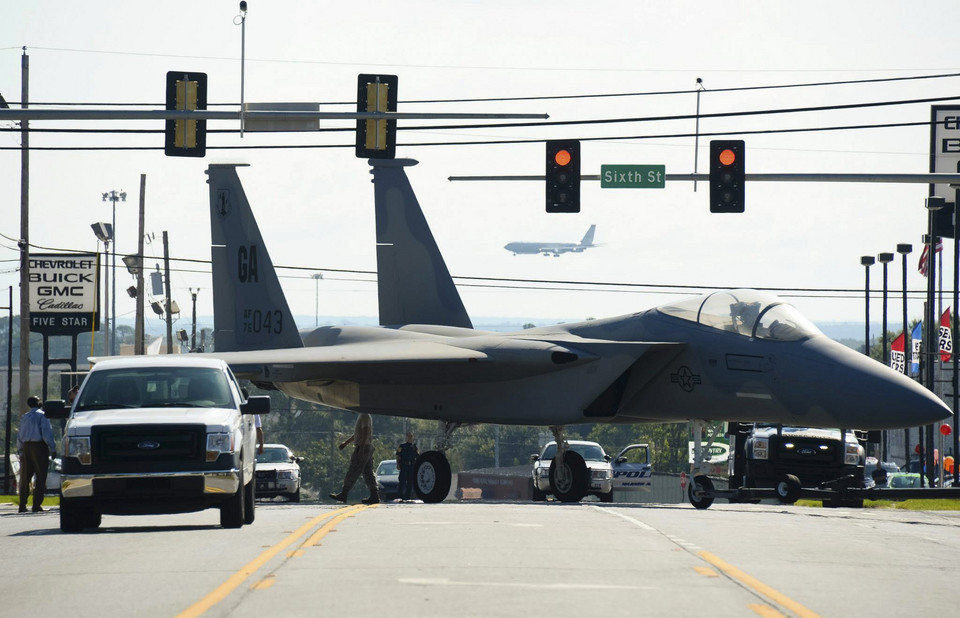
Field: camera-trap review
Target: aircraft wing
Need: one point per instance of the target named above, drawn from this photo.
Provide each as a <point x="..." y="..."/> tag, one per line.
<point x="470" y="360"/>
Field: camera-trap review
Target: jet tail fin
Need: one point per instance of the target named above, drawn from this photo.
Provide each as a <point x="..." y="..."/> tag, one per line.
<point x="413" y="282"/>
<point x="249" y="308"/>
<point x="588" y="237"/>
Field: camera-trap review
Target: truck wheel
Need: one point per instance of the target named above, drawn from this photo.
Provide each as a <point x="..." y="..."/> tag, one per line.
<point x="249" y="497"/>
<point x="71" y="517"/>
<point x="570" y="480"/>
<point x="696" y="492"/>
<point x="788" y="489"/>
<point x="231" y="511"/>
<point x="94" y="519"/>
<point x="295" y="496"/>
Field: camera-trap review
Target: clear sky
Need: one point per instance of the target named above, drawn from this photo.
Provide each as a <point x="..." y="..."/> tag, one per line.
<point x="316" y="205"/>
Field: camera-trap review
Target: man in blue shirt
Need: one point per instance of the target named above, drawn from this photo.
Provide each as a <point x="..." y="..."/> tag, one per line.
<point x="35" y="446"/>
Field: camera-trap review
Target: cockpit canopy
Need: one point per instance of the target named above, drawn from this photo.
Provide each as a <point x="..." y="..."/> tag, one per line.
<point x="745" y="312"/>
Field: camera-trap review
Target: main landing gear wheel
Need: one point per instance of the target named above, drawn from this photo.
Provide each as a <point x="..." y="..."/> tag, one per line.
<point x="788" y="489"/>
<point x="570" y="480"/>
<point x="696" y="492"/>
<point x="432" y="477"/>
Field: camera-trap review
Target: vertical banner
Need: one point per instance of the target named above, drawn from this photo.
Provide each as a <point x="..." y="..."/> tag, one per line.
<point x="897" y="354"/>
<point x="916" y="339"/>
<point x="946" y="340"/>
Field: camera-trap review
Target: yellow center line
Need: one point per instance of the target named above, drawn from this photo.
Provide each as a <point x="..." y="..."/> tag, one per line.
<point x="220" y="592"/>
<point x="330" y="525"/>
<point x="758" y="586"/>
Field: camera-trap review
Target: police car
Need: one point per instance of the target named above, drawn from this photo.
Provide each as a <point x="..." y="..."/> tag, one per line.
<point x="598" y="464"/>
<point x="278" y="473"/>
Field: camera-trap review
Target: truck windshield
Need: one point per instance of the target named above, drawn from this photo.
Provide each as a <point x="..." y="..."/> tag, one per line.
<point x="143" y="387"/>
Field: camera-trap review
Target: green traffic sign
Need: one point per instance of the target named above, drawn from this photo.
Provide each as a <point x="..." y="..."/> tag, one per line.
<point x="633" y="176"/>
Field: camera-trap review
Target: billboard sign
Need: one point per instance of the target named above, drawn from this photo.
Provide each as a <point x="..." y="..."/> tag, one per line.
<point x="63" y="292"/>
<point x="944" y="147"/>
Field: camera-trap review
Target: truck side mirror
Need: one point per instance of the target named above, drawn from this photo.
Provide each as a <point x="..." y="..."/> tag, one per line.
<point x="258" y="404"/>
<point x="56" y="408"/>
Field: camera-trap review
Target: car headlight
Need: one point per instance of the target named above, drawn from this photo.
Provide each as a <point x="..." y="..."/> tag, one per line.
<point x="853" y="455"/>
<point x="218" y="443"/>
<point x="601" y="475"/>
<point x="761" y="448"/>
<point x="287" y="474"/>
<point x="79" y="447"/>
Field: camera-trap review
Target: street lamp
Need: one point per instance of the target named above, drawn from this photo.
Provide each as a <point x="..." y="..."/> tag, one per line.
<point x="316" y="316"/>
<point x="867" y="261"/>
<point x="905" y="249"/>
<point x="885" y="258"/>
<point x="114" y="197"/>
<point x="104" y="234"/>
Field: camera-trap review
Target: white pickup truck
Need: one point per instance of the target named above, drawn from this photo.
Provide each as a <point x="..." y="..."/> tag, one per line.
<point x="158" y="434"/>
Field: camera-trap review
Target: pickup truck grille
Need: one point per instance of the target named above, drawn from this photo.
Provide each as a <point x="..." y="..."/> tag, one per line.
<point x="808" y="450"/>
<point x="148" y="444"/>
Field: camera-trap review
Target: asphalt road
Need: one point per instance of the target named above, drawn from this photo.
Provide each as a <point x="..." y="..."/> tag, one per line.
<point x="488" y="559"/>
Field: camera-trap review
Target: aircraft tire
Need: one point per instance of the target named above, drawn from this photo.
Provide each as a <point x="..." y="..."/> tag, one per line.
<point x="432" y="477"/>
<point x="696" y="489"/>
<point x="571" y="483"/>
<point x="788" y="489"/>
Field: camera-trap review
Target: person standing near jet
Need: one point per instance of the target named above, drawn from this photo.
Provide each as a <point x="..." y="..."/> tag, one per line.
<point x="407" y="454"/>
<point x="35" y="447"/>
<point x="361" y="461"/>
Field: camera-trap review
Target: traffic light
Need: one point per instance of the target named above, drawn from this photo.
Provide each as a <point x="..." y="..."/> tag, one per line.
<point x="726" y="175"/>
<point x="563" y="175"/>
<point x="186" y="92"/>
<point x="376" y="139"/>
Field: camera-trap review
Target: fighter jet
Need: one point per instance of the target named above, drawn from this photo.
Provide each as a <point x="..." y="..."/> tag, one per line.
<point x="737" y="355"/>
<point x="553" y="248"/>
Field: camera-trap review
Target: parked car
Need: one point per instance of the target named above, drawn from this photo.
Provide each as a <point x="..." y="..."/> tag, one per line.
<point x="278" y="473"/>
<point x="388" y="480"/>
<point x="52" y="486"/>
<point x="598" y="465"/>
<point x="904" y="480"/>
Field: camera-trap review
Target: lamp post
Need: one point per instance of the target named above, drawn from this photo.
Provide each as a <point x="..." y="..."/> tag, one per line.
<point x="904" y="250"/>
<point x="867" y="261"/>
<point x="114" y="197"/>
<point x="104" y="234"/>
<point x="885" y="258"/>
<point x="316" y="316"/>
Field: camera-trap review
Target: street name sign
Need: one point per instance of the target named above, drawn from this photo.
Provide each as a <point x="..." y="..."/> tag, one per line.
<point x="633" y="176"/>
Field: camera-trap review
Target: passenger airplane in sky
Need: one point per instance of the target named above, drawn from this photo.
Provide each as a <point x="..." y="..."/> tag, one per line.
<point x="553" y="248"/>
<point x="738" y="355"/>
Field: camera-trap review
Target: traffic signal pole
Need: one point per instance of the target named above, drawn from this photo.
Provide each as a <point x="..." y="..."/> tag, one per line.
<point x="874" y="178"/>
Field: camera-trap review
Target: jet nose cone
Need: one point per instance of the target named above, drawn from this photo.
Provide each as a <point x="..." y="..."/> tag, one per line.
<point x="864" y="394"/>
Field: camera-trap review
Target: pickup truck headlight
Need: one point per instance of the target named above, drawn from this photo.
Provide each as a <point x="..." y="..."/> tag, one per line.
<point x="79" y="447"/>
<point x="853" y="455"/>
<point x="761" y="448"/>
<point x="218" y="443"/>
<point x="287" y="474"/>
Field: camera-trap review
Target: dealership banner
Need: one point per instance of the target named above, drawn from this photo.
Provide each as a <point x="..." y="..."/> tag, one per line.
<point x="63" y="292"/>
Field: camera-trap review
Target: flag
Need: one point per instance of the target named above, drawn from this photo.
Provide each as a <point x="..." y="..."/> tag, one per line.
<point x="916" y="338"/>
<point x="897" y="356"/>
<point x="946" y="341"/>
<point x="923" y="265"/>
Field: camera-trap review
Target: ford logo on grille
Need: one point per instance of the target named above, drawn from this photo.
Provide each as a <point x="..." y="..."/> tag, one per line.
<point x="148" y="445"/>
<point x="807" y="451"/>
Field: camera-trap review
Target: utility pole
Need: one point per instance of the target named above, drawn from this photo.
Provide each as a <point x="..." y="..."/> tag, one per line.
<point x="138" y="347"/>
<point x="193" y="331"/>
<point x="166" y="290"/>
<point x="24" y="234"/>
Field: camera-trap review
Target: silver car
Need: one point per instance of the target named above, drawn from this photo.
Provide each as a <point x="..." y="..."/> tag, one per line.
<point x="598" y="464"/>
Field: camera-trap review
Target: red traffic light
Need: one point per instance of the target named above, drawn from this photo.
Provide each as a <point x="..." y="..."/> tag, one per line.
<point x="562" y="158"/>
<point x="727" y="157"/>
<point x="945" y="429"/>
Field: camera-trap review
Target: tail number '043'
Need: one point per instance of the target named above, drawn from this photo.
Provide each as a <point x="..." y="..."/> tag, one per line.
<point x="262" y="321"/>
